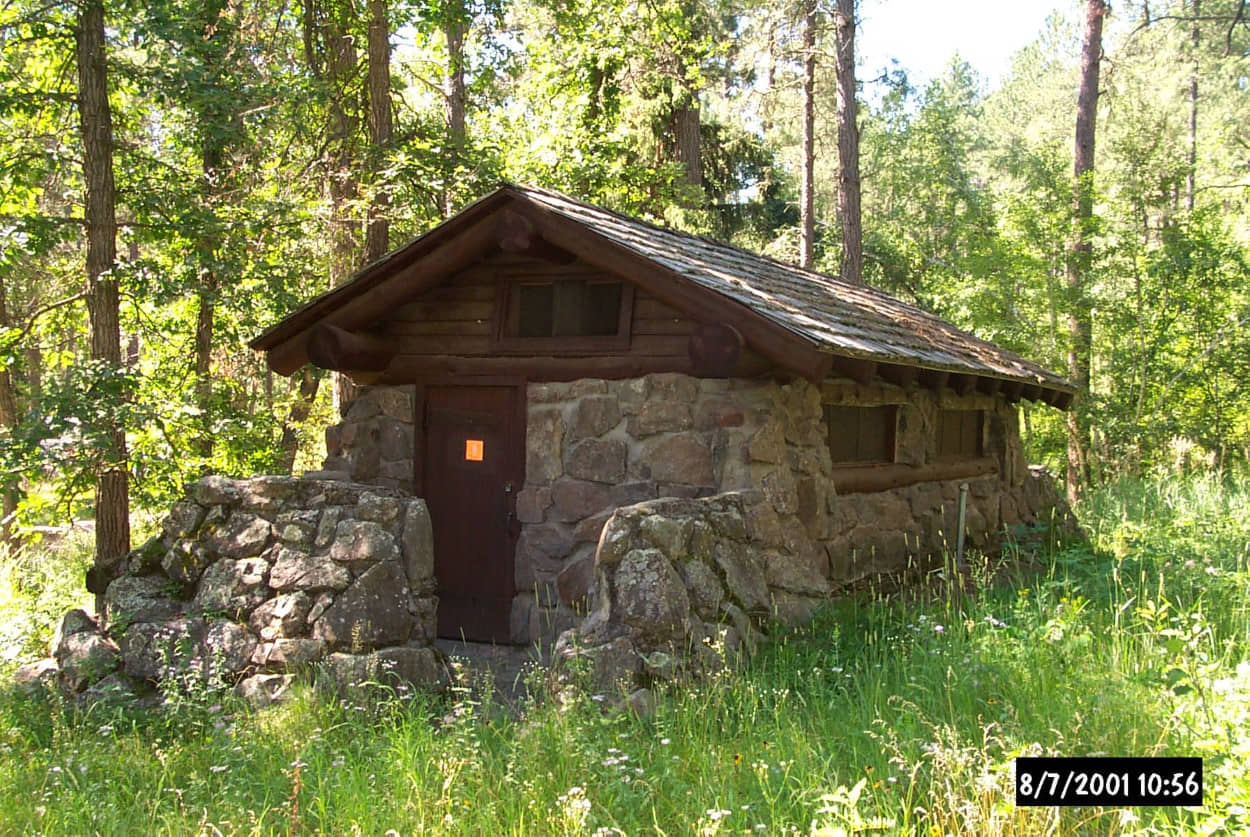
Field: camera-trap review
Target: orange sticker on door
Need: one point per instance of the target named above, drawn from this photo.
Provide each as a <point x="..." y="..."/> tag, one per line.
<point x="473" y="450"/>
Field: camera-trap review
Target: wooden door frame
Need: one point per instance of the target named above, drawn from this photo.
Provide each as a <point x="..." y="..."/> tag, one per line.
<point x="514" y="460"/>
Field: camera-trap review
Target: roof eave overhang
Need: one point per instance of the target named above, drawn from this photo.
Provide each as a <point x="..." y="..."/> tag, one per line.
<point x="423" y="262"/>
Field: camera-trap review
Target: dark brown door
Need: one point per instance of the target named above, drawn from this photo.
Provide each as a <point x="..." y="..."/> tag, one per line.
<point x="469" y="476"/>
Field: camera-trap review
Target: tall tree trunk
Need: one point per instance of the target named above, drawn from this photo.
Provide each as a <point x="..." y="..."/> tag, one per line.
<point x="215" y="114"/>
<point x="9" y="495"/>
<point x="688" y="145"/>
<point x="341" y="66"/>
<point x="848" y="144"/>
<point x="455" y="97"/>
<point x="288" y="446"/>
<point x="1191" y="186"/>
<point x="377" y="233"/>
<point x="1080" y="250"/>
<point x="112" y="514"/>
<point x="330" y="52"/>
<point x="206" y="291"/>
<point x="807" y="174"/>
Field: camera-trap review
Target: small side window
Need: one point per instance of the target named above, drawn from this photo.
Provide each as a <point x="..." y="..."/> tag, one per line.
<point x="959" y="433"/>
<point x="564" y="314"/>
<point x="860" y="434"/>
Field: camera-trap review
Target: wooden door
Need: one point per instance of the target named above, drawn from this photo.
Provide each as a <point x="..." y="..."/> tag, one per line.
<point x="473" y="447"/>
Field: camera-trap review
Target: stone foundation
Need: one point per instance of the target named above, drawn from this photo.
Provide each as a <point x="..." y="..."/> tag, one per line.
<point x="250" y="580"/>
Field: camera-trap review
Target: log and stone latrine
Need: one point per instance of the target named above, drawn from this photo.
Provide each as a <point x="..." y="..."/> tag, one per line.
<point x="665" y="524"/>
<point x="551" y="378"/>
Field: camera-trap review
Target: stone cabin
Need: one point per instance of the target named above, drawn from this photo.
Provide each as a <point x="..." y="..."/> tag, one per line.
<point x="535" y="363"/>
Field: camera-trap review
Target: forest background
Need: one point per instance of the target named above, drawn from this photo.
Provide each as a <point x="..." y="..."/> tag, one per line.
<point x="261" y="151"/>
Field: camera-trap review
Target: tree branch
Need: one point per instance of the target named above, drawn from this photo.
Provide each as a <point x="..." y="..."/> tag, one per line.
<point x="51" y="306"/>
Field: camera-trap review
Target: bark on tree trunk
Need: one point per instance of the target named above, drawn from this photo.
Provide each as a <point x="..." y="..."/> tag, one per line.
<point x="215" y="116"/>
<point x="341" y="64"/>
<point x="807" y="183"/>
<point x="455" y="98"/>
<point x="1080" y="251"/>
<point x="209" y="245"/>
<point x="112" y="516"/>
<point x="377" y="233"/>
<point x="688" y="148"/>
<point x="9" y="495"/>
<point x="848" y="144"/>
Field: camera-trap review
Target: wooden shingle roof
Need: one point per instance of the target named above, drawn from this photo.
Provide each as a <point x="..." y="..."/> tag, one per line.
<point x="842" y="318"/>
<point x="832" y="316"/>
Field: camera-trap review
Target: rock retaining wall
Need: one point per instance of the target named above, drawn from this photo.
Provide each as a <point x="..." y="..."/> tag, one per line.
<point x="249" y="580"/>
<point x="683" y="586"/>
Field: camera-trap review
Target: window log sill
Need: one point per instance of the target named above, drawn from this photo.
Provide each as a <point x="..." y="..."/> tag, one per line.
<point x="864" y="479"/>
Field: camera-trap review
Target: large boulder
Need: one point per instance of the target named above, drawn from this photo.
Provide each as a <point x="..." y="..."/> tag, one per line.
<point x="362" y="543"/>
<point x="417" y="545"/>
<point x="86" y="657"/>
<point x="744" y="574"/>
<point x="244" y="535"/>
<point x="374" y="611"/>
<point x="261" y="690"/>
<point x="295" y="570"/>
<point x="35" y="677"/>
<point x="226" y="648"/>
<point x="154" y="651"/>
<point x="233" y="587"/>
<point x="649" y="595"/>
<point x="141" y="599"/>
<point x="185" y="561"/>
<point x="399" y="669"/>
<point x="282" y="616"/>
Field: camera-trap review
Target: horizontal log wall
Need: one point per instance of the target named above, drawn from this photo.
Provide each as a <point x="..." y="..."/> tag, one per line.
<point x="449" y="329"/>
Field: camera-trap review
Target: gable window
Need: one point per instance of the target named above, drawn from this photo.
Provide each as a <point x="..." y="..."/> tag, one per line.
<point x="860" y="434"/>
<point x="566" y="313"/>
<point x="959" y="433"/>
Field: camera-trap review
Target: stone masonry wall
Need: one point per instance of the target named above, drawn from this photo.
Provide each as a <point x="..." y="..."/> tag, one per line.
<point x="249" y="580"/>
<point x="687" y="587"/>
<point x="373" y="442"/>
<point x="593" y="446"/>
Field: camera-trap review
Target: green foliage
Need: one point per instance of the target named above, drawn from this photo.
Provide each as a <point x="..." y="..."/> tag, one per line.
<point x="37" y="585"/>
<point x="227" y="132"/>
<point x="902" y="716"/>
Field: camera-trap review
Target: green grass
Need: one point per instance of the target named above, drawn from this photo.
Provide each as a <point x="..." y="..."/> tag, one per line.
<point x="886" y="714"/>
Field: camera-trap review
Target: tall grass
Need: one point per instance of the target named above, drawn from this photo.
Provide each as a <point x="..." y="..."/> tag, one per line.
<point x="886" y="715"/>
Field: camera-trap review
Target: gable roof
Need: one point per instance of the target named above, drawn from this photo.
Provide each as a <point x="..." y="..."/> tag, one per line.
<point x="818" y="313"/>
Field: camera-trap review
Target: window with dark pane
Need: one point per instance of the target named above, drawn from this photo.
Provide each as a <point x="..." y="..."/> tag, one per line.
<point x="567" y="308"/>
<point x="534" y="310"/>
<point x="860" y="434"/>
<point x="959" y="433"/>
<point x="602" y="309"/>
